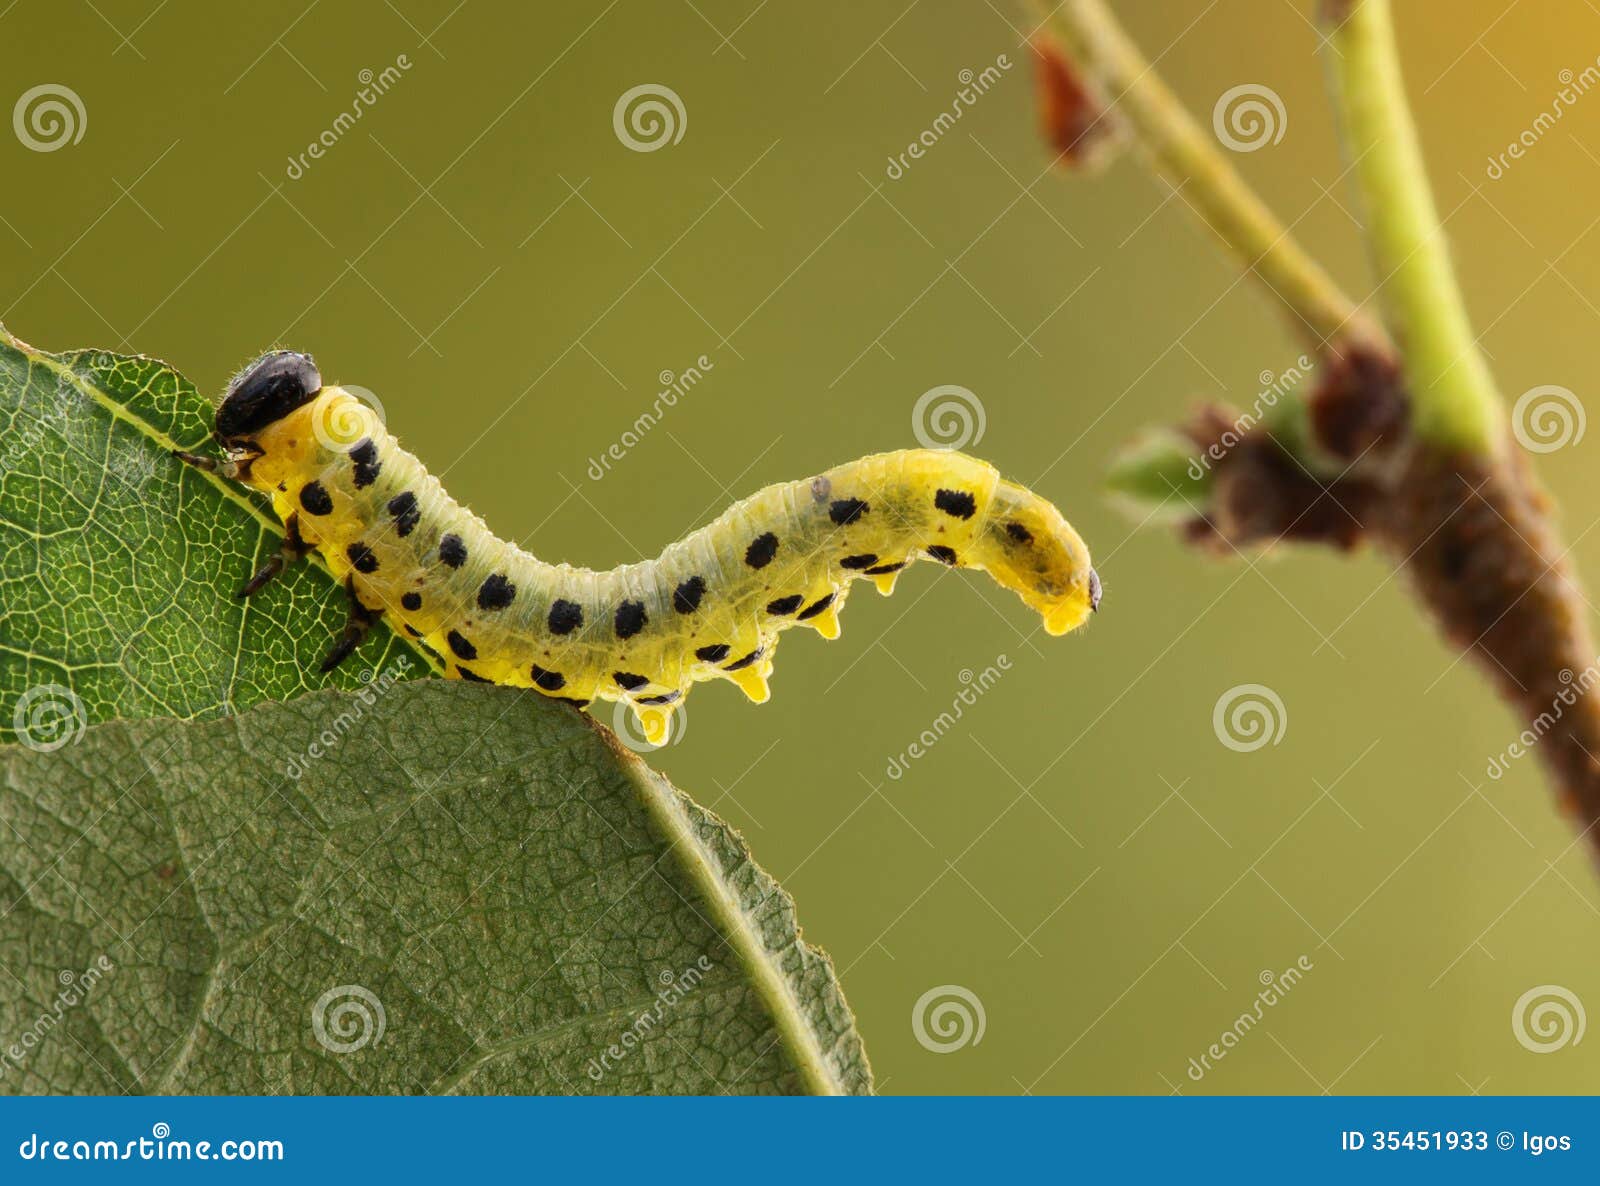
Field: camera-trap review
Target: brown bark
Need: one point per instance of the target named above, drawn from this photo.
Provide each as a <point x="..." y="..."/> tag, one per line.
<point x="1475" y="536"/>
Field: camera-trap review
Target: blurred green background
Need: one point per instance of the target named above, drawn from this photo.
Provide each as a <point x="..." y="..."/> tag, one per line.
<point x="1080" y="853"/>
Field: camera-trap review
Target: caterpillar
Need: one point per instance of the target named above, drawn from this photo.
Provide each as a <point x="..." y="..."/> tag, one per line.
<point x="711" y="606"/>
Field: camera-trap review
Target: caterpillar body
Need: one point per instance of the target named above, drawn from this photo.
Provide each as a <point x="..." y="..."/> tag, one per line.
<point x="711" y="606"/>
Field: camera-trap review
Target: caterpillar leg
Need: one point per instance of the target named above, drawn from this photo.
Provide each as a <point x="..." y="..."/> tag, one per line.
<point x="752" y="681"/>
<point x="233" y="468"/>
<point x="751" y="673"/>
<point x="886" y="576"/>
<point x="208" y="465"/>
<point x="356" y="625"/>
<point x="822" y="615"/>
<point x="291" y="549"/>
<point x="655" y="720"/>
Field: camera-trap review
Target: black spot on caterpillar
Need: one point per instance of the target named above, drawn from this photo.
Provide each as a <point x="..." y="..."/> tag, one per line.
<point x="711" y="606"/>
<point x="959" y="503"/>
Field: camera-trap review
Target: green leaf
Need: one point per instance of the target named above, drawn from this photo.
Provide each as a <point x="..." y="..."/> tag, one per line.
<point x="119" y="563"/>
<point x="521" y="902"/>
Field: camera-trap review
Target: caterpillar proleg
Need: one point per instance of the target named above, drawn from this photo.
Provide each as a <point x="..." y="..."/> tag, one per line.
<point x="711" y="606"/>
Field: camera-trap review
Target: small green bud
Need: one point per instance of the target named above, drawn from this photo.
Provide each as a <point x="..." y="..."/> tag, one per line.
<point x="1161" y="475"/>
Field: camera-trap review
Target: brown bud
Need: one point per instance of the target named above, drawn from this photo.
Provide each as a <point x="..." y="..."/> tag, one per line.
<point x="1073" y="116"/>
<point x="1263" y="494"/>
<point x="1359" y="403"/>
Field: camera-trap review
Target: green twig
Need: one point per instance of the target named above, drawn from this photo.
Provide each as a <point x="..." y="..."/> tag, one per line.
<point x="1453" y="397"/>
<point x="1189" y="158"/>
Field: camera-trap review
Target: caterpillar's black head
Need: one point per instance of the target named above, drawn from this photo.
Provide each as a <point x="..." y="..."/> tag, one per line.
<point x="266" y="391"/>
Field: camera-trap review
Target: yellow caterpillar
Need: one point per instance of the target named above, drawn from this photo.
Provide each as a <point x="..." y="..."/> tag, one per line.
<point x="710" y="606"/>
